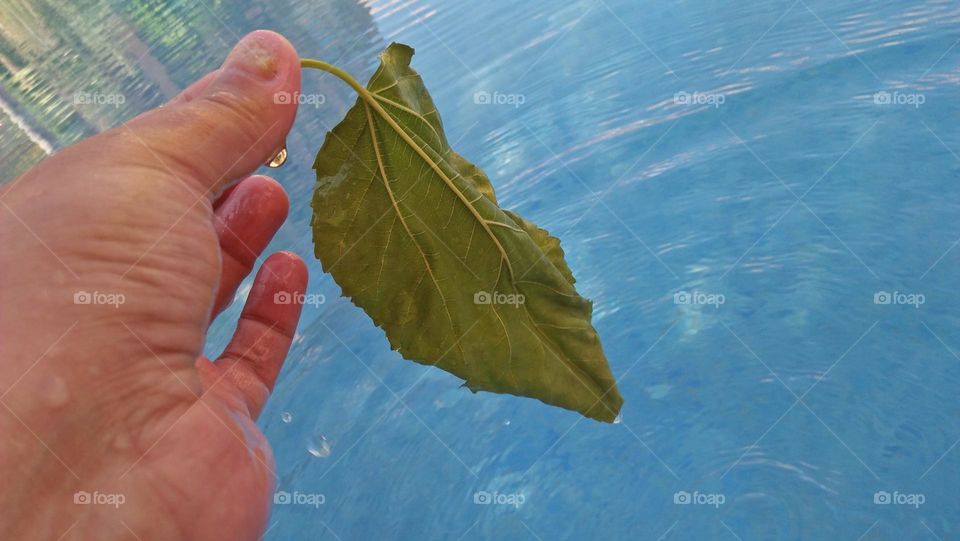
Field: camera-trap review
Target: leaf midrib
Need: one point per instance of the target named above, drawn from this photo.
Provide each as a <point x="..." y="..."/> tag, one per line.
<point x="370" y="101"/>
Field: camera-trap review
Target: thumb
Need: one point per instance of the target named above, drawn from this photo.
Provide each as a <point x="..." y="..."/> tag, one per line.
<point x="231" y="127"/>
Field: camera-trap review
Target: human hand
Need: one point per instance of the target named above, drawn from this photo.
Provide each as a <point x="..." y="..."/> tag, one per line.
<point x="113" y="397"/>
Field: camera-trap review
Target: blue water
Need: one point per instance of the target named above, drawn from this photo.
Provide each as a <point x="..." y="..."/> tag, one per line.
<point x="795" y="160"/>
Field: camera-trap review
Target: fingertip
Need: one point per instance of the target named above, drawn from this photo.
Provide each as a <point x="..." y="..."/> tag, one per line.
<point x="261" y="58"/>
<point x="290" y="268"/>
<point x="269" y="195"/>
<point x="246" y="218"/>
<point x="282" y="49"/>
<point x="233" y="122"/>
<point x="277" y="292"/>
<point x="287" y="52"/>
<point x="250" y="213"/>
<point x="267" y="326"/>
<point x="283" y="60"/>
<point x="283" y="275"/>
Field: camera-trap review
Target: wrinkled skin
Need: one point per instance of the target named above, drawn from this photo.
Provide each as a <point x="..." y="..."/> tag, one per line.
<point x="118" y="399"/>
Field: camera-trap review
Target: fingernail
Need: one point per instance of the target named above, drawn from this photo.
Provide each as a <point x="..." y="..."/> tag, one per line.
<point x="256" y="55"/>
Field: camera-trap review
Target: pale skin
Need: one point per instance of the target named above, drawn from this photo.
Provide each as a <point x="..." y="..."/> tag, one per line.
<point x="117" y="399"/>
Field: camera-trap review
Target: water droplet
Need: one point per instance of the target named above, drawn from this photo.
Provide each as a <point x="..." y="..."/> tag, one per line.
<point x="279" y="159"/>
<point x="286" y="417"/>
<point x="319" y="446"/>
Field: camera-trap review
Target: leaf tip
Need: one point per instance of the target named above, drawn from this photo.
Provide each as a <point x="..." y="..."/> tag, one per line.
<point x="397" y="53"/>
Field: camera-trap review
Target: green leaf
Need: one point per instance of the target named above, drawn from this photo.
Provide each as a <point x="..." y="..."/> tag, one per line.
<point x="412" y="233"/>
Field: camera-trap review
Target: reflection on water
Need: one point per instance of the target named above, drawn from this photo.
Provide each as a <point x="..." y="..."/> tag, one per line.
<point x="737" y="149"/>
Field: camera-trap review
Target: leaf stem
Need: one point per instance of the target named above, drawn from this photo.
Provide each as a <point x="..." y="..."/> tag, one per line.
<point x="330" y="68"/>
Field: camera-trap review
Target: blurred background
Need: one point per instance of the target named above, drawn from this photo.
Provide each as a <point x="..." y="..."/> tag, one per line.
<point x="760" y="197"/>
